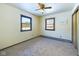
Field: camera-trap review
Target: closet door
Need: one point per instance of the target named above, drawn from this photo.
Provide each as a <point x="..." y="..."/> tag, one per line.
<point x="74" y="36"/>
<point x="78" y="31"/>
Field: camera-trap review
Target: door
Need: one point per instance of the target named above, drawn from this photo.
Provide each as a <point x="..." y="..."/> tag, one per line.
<point x="78" y="31"/>
<point x="74" y="29"/>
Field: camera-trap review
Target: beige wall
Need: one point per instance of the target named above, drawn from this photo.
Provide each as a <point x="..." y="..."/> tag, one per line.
<point x="10" y="26"/>
<point x="62" y="25"/>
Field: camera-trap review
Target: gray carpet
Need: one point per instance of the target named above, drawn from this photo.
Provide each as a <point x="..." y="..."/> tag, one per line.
<point x="41" y="47"/>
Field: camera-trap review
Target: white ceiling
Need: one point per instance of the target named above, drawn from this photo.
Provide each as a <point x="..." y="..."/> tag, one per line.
<point x="56" y="7"/>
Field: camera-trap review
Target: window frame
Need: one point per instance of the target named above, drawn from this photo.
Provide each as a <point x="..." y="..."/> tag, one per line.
<point x="53" y="29"/>
<point x="21" y="23"/>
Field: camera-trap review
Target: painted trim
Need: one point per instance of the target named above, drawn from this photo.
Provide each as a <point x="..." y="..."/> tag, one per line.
<point x="59" y="39"/>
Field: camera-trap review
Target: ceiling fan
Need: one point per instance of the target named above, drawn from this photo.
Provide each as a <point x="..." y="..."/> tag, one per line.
<point x="43" y="7"/>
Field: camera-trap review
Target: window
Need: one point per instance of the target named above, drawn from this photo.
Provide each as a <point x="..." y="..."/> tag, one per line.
<point x="26" y="23"/>
<point x="50" y="24"/>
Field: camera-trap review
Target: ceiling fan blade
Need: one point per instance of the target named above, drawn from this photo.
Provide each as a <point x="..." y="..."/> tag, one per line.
<point x="47" y="7"/>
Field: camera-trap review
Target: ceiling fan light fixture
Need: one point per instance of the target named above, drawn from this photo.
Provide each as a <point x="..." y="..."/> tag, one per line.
<point x="42" y="11"/>
<point x="42" y="7"/>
